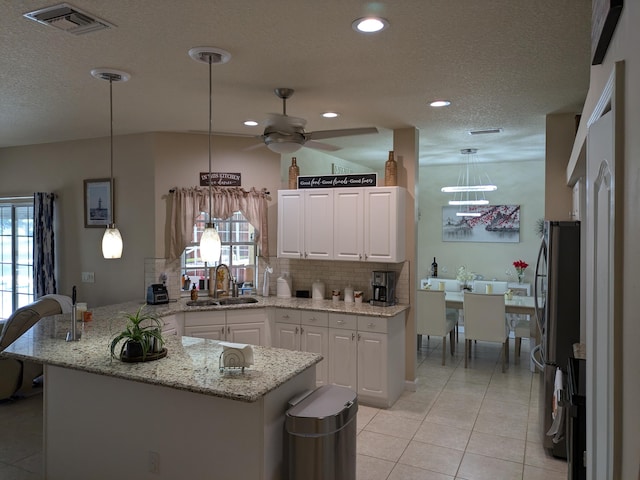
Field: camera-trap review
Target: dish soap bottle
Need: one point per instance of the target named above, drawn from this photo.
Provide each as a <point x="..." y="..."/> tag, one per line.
<point x="194" y="293"/>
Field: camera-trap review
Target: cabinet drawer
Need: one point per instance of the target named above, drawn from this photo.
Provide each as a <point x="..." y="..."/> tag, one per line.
<point x="321" y="319"/>
<point x="287" y="315"/>
<point x="204" y="318"/>
<point x="372" y="324"/>
<point x="342" y="320"/>
<point x="245" y="315"/>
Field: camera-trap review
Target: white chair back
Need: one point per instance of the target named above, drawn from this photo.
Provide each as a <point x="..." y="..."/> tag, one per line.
<point x="480" y="286"/>
<point x="450" y="284"/>
<point x="431" y="317"/>
<point x="484" y="317"/>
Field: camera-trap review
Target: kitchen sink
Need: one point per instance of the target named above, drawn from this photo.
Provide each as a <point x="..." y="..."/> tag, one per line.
<point x="219" y="302"/>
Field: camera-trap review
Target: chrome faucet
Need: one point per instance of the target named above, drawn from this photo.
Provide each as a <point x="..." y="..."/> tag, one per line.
<point x="215" y="278"/>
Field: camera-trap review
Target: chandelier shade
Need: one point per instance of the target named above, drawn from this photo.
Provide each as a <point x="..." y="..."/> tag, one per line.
<point x="471" y="185"/>
<point x="210" y="244"/>
<point x="112" y="244"/>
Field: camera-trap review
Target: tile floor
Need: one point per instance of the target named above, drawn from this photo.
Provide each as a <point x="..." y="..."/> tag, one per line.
<point x="473" y="424"/>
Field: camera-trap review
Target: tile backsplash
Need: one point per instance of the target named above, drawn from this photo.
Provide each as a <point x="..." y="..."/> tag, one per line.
<point x="335" y="275"/>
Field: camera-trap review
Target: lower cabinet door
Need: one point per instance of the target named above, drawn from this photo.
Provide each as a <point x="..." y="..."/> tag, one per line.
<point x="316" y="340"/>
<point x="287" y="335"/>
<point x="372" y="365"/>
<point x="212" y="332"/>
<point x="343" y="357"/>
<point x="251" y="333"/>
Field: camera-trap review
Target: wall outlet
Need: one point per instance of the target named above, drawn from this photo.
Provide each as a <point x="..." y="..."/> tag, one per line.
<point x="88" y="277"/>
<point x="154" y="462"/>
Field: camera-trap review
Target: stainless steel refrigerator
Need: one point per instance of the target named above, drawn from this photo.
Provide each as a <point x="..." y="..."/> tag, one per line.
<point x="557" y="291"/>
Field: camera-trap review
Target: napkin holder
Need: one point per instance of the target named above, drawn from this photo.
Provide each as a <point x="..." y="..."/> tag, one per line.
<point x="235" y="356"/>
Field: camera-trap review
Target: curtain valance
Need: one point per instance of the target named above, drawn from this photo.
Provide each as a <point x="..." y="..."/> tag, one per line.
<point x="186" y="204"/>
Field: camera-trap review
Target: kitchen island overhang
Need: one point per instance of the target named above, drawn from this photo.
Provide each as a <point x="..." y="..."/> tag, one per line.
<point x="109" y="419"/>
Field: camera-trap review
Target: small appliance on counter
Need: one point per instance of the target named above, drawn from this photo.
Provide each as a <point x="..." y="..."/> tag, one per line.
<point x="157" y="294"/>
<point x="283" y="285"/>
<point x="384" y="288"/>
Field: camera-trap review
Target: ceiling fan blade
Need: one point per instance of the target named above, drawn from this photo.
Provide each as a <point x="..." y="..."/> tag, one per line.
<point x="254" y="147"/>
<point x="346" y="132"/>
<point x="320" y="146"/>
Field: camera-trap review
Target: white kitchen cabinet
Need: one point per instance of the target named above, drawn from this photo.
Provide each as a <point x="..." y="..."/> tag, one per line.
<point x="366" y="354"/>
<point x="172" y="324"/>
<point x="348" y="226"/>
<point x="305" y="224"/>
<point x="318" y="224"/>
<point x="291" y="223"/>
<point x="384" y="224"/>
<point x="353" y="224"/>
<point x="306" y="331"/>
<point x="240" y="326"/>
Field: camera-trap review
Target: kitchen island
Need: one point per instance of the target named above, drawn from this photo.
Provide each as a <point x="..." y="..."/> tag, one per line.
<point x="177" y="417"/>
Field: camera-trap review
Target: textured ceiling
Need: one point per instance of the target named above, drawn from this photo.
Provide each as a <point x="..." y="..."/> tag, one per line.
<point x="502" y="63"/>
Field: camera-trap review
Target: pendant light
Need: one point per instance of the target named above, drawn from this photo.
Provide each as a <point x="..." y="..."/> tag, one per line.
<point x="210" y="245"/>
<point x="471" y="186"/>
<point x="111" y="240"/>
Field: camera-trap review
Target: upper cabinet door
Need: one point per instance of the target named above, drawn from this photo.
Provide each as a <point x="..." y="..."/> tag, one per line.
<point x="291" y="223"/>
<point x="384" y="237"/>
<point x="318" y="224"/>
<point x="348" y="224"/>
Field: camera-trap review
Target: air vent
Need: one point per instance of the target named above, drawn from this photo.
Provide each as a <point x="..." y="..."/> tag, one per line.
<point x="486" y="130"/>
<point x="69" y="19"/>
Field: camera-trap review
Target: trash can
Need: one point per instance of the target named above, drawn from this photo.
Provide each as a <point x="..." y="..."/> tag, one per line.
<point x="321" y="435"/>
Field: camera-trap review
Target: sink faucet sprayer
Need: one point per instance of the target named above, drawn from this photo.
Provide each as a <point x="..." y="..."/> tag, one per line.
<point x="265" y="283"/>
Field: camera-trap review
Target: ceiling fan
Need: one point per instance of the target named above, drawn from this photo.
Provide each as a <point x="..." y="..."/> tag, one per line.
<point x="286" y="134"/>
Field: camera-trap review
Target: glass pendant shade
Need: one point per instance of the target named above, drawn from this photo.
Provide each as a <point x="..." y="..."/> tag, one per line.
<point x="112" y="243"/>
<point x="210" y="246"/>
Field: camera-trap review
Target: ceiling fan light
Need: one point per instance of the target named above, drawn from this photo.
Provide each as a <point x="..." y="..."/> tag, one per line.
<point x="284" y="147"/>
<point x="112" y="243"/>
<point x="210" y="245"/>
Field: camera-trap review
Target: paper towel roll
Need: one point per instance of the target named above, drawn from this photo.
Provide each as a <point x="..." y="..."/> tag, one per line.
<point x="317" y="289"/>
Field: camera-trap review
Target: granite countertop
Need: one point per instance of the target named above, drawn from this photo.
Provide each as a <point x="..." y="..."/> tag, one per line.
<point x="191" y="364"/>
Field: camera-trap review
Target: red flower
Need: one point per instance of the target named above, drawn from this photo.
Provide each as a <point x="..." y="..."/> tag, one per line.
<point x="520" y="264"/>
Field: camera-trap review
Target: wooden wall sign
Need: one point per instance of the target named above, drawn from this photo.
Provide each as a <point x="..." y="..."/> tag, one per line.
<point x="219" y="179"/>
<point x="337" y="181"/>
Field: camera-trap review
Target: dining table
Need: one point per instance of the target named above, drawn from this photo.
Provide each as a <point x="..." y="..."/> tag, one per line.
<point x="517" y="304"/>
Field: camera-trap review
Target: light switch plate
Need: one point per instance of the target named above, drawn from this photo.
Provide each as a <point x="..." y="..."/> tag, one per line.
<point x="88" y="277"/>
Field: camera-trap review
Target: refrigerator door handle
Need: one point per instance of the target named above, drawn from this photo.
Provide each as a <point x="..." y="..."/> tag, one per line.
<point x="538" y="363"/>
<point x="541" y="256"/>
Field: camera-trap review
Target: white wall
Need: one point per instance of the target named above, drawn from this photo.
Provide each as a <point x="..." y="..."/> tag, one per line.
<point x="624" y="46"/>
<point x="518" y="184"/>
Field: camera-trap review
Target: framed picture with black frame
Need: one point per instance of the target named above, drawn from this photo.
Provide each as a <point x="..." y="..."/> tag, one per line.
<point x="97" y="203"/>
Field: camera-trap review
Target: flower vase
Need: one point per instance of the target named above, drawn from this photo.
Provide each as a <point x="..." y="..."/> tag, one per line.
<point x="521" y="277"/>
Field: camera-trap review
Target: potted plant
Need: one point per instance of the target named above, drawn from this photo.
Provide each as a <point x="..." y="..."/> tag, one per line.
<point x="141" y="336"/>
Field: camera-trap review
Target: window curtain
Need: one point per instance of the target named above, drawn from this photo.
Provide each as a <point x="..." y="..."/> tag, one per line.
<point x="186" y="204"/>
<point x="43" y="244"/>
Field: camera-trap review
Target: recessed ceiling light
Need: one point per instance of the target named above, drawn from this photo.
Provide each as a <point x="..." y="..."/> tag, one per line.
<point x="369" y="24"/>
<point x="330" y="114"/>
<point x="440" y="103"/>
<point x="250" y="123"/>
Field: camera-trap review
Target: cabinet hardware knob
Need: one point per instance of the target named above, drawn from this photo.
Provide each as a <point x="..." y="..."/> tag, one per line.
<point x="301" y="330"/>
<point x="353" y="336"/>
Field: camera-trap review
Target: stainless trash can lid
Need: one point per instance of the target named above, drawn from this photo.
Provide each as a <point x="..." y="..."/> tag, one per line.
<point x="326" y="409"/>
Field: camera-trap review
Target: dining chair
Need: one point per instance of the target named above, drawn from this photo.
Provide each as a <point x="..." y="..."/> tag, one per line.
<point x="450" y="285"/>
<point x="432" y="319"/>
<point x="485" y="321"/>
<point x="480" y="286"/>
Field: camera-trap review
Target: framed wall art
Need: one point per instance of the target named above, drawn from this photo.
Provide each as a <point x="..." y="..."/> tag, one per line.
<point x="493" y="223"/>
<point x="97" y="202"/>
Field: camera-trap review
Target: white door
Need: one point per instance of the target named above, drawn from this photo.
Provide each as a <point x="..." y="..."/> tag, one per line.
<point x="602" y="227"/>
<point x="318" y="224"/>
<point x="250" y="333"/>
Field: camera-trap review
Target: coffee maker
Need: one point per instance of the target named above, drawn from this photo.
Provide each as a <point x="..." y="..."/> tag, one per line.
<point x="384" y="288"/>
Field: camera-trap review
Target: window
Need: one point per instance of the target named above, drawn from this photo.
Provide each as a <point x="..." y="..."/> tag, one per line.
<point x="238" y="252"/>
<point x="16" y="255"/>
